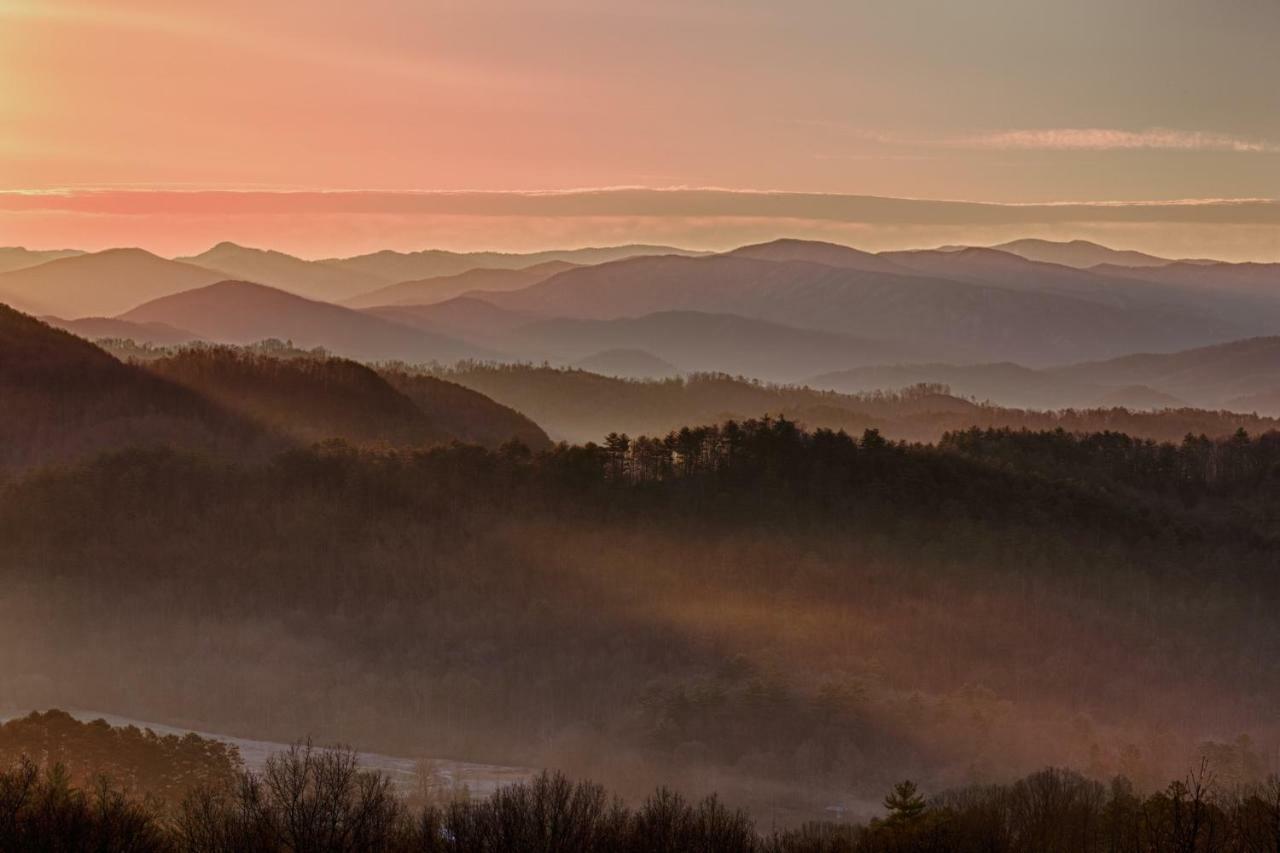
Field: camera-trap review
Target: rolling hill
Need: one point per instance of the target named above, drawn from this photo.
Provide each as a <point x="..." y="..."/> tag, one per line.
<point x="819" y="252"/>
<point x="1081" y="254"/>
<point x="701" y="341"/>
<point x="103" y="328"/>
<point x="100" y="284"/>
<point x="1217" y="279"/>
<point x="239" y="312"/>
<point x="474" y="320"/>
<point x="315" y="399"/>
<point x="432" y="290"/>
<point x="627" y="364"/>
<point x="576" y="405"/>
<point x="308" y="399"/>
<point x="1004" y="384"/>
<point x="1204" y="376"/>
<point x="65" y="399"/>
<point x="312" y="279"/>
<point x="466" y="415"/>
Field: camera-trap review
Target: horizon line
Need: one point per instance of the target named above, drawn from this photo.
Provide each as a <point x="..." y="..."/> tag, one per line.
<point x="179" y="188"/>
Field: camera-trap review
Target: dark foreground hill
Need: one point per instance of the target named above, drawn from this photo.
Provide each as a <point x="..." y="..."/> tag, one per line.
<point x="317" y="398"/>
<point x="310" y="399"/>
<point x="65" y="398"/>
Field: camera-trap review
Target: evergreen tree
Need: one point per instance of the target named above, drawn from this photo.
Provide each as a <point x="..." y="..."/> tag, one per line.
<point x="905" y="802"/>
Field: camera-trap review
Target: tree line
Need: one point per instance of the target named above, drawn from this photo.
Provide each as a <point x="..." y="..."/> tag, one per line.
<point x="321" y="801"/>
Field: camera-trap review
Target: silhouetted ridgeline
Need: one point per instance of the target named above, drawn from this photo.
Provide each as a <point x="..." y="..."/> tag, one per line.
<point x="317" y="398"/>
<point x="66" y="399"/>
<point x="320" y="801"/>
<point x="790" y="618"/>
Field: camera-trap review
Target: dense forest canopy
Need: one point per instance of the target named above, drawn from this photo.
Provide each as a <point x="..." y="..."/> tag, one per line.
<point x="786" y="616"/>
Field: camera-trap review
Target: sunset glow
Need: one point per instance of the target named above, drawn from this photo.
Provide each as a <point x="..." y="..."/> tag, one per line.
<point x="917" y="99"/>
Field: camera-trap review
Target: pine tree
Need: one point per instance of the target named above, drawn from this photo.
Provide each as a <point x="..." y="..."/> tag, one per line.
<point x="905" y="802"/>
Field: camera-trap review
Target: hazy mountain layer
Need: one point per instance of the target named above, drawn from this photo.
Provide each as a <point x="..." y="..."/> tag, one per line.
<point x="956" y="319"/>
<point x="432" y="290"/>
<point x="411" y="266"/>
<point x="312" y="279"/>
<point x="243" y="313"/>
<point x="100" y="284"/>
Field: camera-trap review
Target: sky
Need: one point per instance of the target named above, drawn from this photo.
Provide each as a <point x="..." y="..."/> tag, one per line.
<point x="404" y="105"/>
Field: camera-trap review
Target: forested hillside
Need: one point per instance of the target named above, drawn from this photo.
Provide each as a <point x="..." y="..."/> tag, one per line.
<point x="576" y="405"/>
<point x="64" y="399"/>
<point x="791" y="618"/>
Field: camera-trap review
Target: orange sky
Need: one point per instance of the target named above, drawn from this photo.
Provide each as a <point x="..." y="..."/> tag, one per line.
<point x="990" y="100"/>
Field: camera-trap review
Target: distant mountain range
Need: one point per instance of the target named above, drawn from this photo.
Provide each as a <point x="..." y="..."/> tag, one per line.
<point x="994" y="323"/>
<point x="433" y="263"/>
<point x="1021" y="318"/>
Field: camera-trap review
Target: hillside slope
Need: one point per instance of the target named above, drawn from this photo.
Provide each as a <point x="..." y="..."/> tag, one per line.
<point x="100" y="284"/>
<point x="65" y="399"/>
<point x="239" y="312"/>
<point x="428" y="291"/>
<point x="312" y="279"/>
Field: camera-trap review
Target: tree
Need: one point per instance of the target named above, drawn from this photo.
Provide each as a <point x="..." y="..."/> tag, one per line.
<point x="905" y="802"/>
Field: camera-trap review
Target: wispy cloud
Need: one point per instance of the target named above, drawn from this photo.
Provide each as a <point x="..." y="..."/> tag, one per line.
<point x="1064" y="139"/>
<point x="628" y="202"/>
<point x="1109" y="139"/>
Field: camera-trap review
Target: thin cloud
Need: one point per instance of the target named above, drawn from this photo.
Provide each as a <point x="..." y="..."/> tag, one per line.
<point x="1108" y="139"/>
<point x="632" y="202"/>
